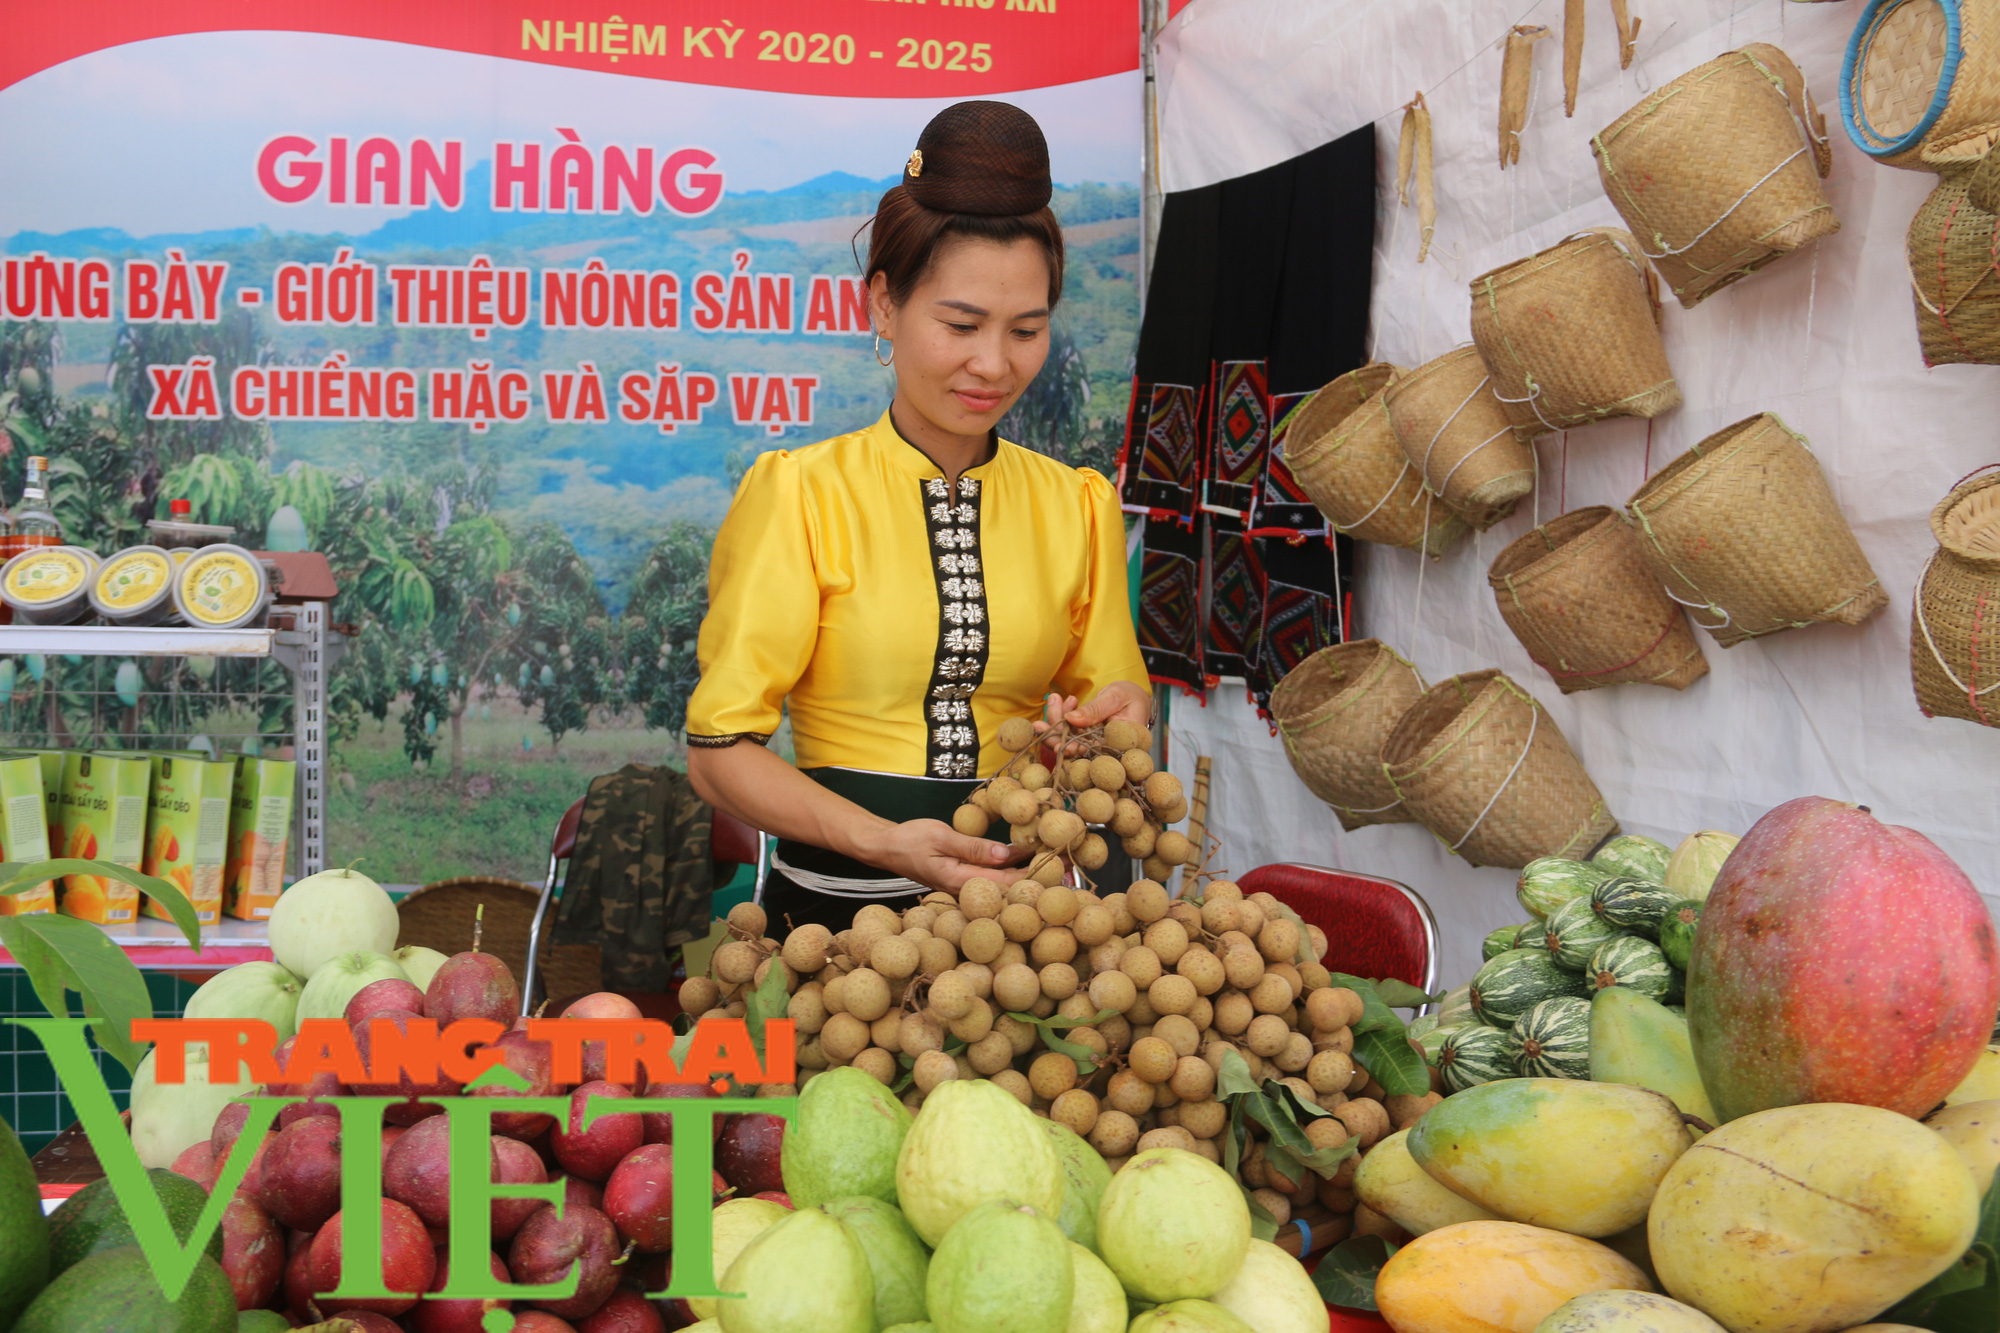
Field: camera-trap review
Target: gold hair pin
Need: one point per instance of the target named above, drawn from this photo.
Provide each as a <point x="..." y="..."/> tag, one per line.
<point x="915" y="166"/>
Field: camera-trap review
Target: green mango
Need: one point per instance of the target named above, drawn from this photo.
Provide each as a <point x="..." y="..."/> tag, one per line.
<point x="1565" y="1154"/>
<point x="1636" y="1040"/>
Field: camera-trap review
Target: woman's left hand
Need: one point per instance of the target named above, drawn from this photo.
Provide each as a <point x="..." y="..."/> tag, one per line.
<point x="1120" y="699"/>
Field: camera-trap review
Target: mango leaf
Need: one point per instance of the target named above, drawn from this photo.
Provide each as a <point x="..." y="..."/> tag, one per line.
<point x="114" y="993"/>
<point x="1965" y="1298"/>
<point x="1263" y="1226"/>
<point x="768" y="1001"/>
<point x="1346" y="1275"/>
<point x="1391" y="1061"/>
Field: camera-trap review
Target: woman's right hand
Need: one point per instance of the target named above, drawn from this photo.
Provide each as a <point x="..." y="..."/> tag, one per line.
<point x="933" y="853"/>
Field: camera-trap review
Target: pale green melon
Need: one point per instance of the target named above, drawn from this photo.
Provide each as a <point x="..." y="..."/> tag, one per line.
<point x="1173" y="1225"/>
<point x="844" y="1139"/>
<point x="971" y="1144"/>
<point x="1002" y="1268"/>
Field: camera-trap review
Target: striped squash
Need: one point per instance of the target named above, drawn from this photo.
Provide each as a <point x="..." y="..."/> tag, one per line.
<point x="1473" y="1055"/>
<point x="1455" y="1010"/>
<point x="1498" y="942"/>
<point x="1531" y="935"/>
<point x="1508" y="986"/>
<point x="1635" y="964"/>
<point x="1548" y="882"/>
<point x="1635" y="854"/>
<point x="1575" y="931"/>
<point x="1552" y="1040"/>
<point x="1634" y="905"/>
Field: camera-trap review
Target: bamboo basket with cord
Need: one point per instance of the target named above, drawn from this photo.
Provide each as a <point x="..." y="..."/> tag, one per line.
<point x="1458" y="434"/>
<point x="1343" y="452"/>
<point x="1954" y="650"/>
<point x="1334" y="710"/>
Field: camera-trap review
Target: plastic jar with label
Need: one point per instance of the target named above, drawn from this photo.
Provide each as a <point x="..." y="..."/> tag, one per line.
<point x="135" y="587"/>
<point x="222" y="587"/>
<point x="49" y="585"/>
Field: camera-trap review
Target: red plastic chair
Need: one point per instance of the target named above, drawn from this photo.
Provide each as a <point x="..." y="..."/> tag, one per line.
<point x="1374" y="927"/>
<point x="731" y="843"/>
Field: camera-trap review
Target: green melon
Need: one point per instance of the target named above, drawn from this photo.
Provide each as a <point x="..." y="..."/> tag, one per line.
<point x="1635" y="855"/>
<point x="1575" y="931"/>
<point x="1552" y="1040"/>
<point x="1516" y="982"/>
<point x="1531" y="935"/>
<point x="1548" y="882"/>
<point x="1498" y="942"/>
<point x="1455" y="1010"/>
<point x="1677" y="931"/>
<point x="1633" y="963"/>
<point x="1469" y="1056"/>
<point x="1636" y="906"/>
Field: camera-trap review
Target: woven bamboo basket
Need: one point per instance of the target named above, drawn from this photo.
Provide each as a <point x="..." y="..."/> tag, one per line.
<point x="1344" y="454"/>
<point x="1572" y="335"/>
<point x="1457" y="432"/>
<point x="1744" y="531"/>
<point x="1954" y="249"/>
<point x="1578" y="594"/>
<point x="1718" y="172"/>
<point x="1333" y="711"/>
<point x="440" y="916"/>
<point x="1482" y="766"/>
<point x="1920" y="84"/>
<point x="1982" y="184"/>
<point x="1957" y="613"/>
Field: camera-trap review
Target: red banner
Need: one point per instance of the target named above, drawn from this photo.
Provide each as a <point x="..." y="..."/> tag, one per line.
<point x="839" y="48"/>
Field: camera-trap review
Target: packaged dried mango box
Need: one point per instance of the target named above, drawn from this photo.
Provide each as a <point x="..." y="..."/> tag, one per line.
<point x="24" y="830"/>
<point x="104" y="800"/>
<point x="187" y="831"/>
<point x="260" y="829"/>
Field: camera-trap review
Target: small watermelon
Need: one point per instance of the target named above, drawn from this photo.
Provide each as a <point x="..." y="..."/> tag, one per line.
<point x="1575" y="931"/>
<point x="1548" y="882"/>
<point x="1634" y="905"/>
<point x="1470" y="1056"/>
<point x="1508" y="986"/>
<point x="1552" y="1040"/>
<point x="1498" y="942"/>
<point x="1635" y="964"/>
<point x="1635" y="855"/>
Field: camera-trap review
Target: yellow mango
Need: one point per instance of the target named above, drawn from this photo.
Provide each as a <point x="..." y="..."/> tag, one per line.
<point x="1390" y="1181"/>
<point x="1573" y="1155"/>
<point x="1974" y="1129"/>
<point x="1810" y="1218"/>
<point x="1493" y="1277"/>
<point x="1887" y="1328"/>
<point x="1627" y="1312"/>
<point x="1982" y="1084"/>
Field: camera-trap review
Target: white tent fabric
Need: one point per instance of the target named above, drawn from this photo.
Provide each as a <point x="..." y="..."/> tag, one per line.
<point x="1824" y="338"/>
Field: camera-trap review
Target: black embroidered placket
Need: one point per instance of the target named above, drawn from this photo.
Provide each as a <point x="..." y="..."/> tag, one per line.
<point x="952" y="746"/>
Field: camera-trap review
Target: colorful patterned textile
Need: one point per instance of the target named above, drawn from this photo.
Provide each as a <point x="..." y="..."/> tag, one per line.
<point x="1163" y="451"/>
<point x="1170" y="604"/>
<point x="1282" y="507"/>
<point x="1235" y="599"/>
<point x="1303" y="609"/>
<point x="1239" y="438"/>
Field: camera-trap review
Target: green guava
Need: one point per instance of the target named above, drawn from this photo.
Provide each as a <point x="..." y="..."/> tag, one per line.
<point x="1002" y="1268"/>
<point x="1172" y="1226"/>
<point x="843" y="1140"/>
<point x="1272" y="1293"/>
<point x="896" y="1257"/>
<point x="971" y="1144"/>
<point x="807" y="1274"/>
<point x="1085" y="1177"/>
<point x="921" y="1326"/>
<point x="736" y="1223"/>
<point x="1191" y="1317"/>
<point x="1098" y="1303"/>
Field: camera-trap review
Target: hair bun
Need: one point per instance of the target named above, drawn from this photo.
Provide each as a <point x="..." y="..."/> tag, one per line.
<point x="987" y="158"/>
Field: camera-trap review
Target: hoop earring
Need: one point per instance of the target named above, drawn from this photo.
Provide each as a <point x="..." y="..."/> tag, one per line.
<point x="878" y="352"/>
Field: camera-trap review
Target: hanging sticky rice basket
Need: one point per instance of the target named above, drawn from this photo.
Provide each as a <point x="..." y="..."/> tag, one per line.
<point x="1344" y="453"/>
<point x="1954" y="249"/>
<point x="1579" y="595"/>
<point x="1955" y="626"/>
<point x="1458" y="434"/>
<point x="1718" y="172"/>
<point x="1482" y="766"/>
<point x="1744" y="531"/>
<point x="1333" y="712"/>
<point x="1572" y="335"/>
<point x="1920" y="84"/>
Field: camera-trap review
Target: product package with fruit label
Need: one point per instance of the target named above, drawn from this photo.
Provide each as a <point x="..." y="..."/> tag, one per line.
<point x="24" y="830"/>
<point x="260" y="828"/>
<point x="52" y="771"/>
<point x="187" y="835"/>
<point x="104" y="799"/>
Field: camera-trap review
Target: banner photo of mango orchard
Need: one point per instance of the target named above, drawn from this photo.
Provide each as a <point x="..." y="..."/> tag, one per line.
<point x="494" y="309"/>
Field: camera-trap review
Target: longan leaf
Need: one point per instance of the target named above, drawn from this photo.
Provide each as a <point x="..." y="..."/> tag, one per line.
<point x="1390" y="1060"/>
<point x="1303" y="954"/>
<point x="1233" y="1079"/>
<point x="1301" y="1111"/>
<point x="1376" y="1012"/>
<point x="1084" y="1058"/>
<point x="1402" y="995"/>
<point x="767" y="1002"/>
<point x="1233" y="1140"/>
<point x="1346" y="1276"/>
<point x="1263" y="1226"/>
<point x="1278" y="1119"/>
<point x="1322" y="1162"/>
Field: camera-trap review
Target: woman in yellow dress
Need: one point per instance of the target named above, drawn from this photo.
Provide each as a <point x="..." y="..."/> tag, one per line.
<point x="908" y="587"/>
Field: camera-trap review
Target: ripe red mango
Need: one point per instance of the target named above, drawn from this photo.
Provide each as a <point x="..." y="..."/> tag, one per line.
<point x="1839" y="959"/>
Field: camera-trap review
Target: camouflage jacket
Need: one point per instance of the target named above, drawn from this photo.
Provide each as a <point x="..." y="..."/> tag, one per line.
<point x="640" y="882"/>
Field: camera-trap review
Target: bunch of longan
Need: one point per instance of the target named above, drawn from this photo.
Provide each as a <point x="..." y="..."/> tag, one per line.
<point x="1154" y="990"/>
<point x="1099" y="787"/>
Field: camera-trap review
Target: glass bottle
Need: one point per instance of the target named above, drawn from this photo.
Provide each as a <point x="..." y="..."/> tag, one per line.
<point x="34" y="523"/>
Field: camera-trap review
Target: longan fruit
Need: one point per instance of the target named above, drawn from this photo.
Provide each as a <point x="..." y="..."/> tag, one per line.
<point x="1157" y="869"/>
<point x="1015" y="734"/>
<point x="933" y="1068"/>
<point x="983" y="939"/>
<point x="980" y="897"/>
<point x="1274" y="1203"/>
<point x="951" y="996"/>
<point x="1168" y="939"/>
<point x="1022" y="1036"/>
<point x="1193" y="1080"/>
<point x="1052" y="1074"/>
<point x="735" y="962"/>
<point x="1171" y="994"/>
<point x="1188" y="914"/>
<point x="895" y="958"/>
<point x="1093" y="925"/>
<point x="949" y="926"/>
<point x="1291" y="975"/>
<point x="1179" y="1032"/>
<point x="843" y="1038"/>
<point x="922" y="1032"/>
<point x="1077" y="1008"/>
<point x="977" y="975"/>
<point x="1147" y="901"/>
<point x="1233" y="1012"/>
<point x="1316" y="942"/>
<point x="1057" y="905"/>
<point x="936" y="956"/>
<point x="749" y="918"/>
<point x="1141" y="1014"/>
<point x="1327" y="1009"/>
<point x="1138" y="765"/>
<point x="1096" y="807"/>
<point x="1139" y="843"/>
<point x="1091" y="1040"/>
<point x="1075" y="1110"/>
<point x="1016" y="986"/>
<point x="1243" y="967"/>
<point x="1173" y="812"/>
<point x="1202" y="1118"/>
<point x="1020" y="807"/>
<point x="1271" y="995"/>
<point x="1046" y="869"/>
<point x="1161" y="788"/>
<point x="878" y="1064"/>
<point x="1115" y="1133"/>
<point x="1122" y="735"/>
<point x="1203" y="968"/>
<point x="807" y="1009"/>
<point x="698" y="995"/>
<point x="887" y="1032"/>
<point x="1054" y="945"/>
<point x="1152" y="1059"/>
<point x="1060" y="829"/>
<point x="1266" y="1035"/>
<point x="1313" y="976"/>
<point x="880" y="914"/>
<point x="1222" y="890"/>
<point x="1024" y="835"/>
<point x="1279" y="940"/>
<point x="834" y="996"/>
<point x="1106" y="773"/>
<point x="975" y="1023"/>
<point x="865" y="994"/>
<point x="1016" y="1084"/>
<point x="1129" y="1093"/>
<point x="1218" y="915"/>
<point x="1093" y="853"/>
<point x="1010" y="952"/>
<point x="1298" y="1053"/>
<point x="1059" y="981"/>
<point x="1365" y="1119"/>
<point x="1167" y="1136"/>
<point x="972" y="822"/>
<point x="807" y="948"/>
<point x="1142" y="965"/>
<point x="1020" y="922"/>
<point x="1122" y="920"/>
<point x="1113" y="990"/>
<point x="1329" y="1071"/>
<point x="1127" y="817"/>
<point x="1035" y="777"/>
<point x="990" y="1054"/>
<point x="919" y="917"/>
<point x="1340" y="1039"/>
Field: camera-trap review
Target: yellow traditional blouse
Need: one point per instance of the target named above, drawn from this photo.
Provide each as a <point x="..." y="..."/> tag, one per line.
<point x="905" y="623"/>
